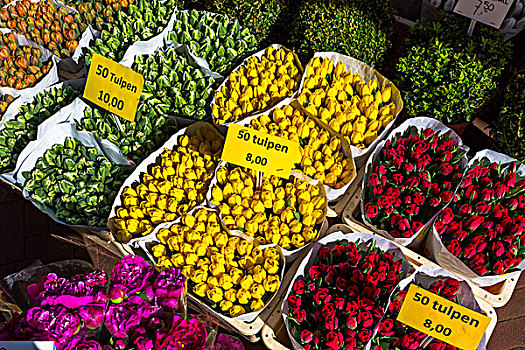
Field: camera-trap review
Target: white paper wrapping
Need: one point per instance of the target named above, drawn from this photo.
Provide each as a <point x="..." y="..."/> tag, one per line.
<point x="443" y="257"/>
<point x="85" y="41"/>
<point x="365" y="241"/>
<point x="367" y="73"/>
<point x="151" y="160"/>
<point x="289" y="254"/>
<point x="37" y="148"/>
<point x="420" y="123"/>
<point x="259" y="55"/>
<point x="332" y="194"/>
<point x="74" y="112"/>
<point x="146" y="242"/>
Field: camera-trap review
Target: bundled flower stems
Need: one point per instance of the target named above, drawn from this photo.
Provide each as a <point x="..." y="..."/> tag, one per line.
<point x="137" y="308"/>
<point x="231" y="274"/>
<point x="343" y="294"/>
<point x="483" y="226"/>
<point x="287" y="212"/>
<point x="174" y="185"/>
<point x="415" y="175"/>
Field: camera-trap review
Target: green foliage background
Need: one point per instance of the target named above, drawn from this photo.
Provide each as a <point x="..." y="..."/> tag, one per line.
<point x="509" y="129"/>
<point x="445" y="74"/>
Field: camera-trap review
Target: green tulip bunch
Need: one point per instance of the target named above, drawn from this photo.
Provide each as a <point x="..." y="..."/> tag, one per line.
<point x="77" y="181"/>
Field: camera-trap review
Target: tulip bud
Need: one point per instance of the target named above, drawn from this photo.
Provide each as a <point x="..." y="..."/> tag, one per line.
<point x="237" y="310"/>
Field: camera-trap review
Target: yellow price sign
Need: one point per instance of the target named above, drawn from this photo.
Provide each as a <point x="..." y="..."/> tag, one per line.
<point x="260" y="151"/>
<point x="114" y="87"/>
<point x="442" y="318"/>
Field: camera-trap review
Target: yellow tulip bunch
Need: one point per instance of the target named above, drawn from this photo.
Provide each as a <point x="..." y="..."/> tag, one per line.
<point x="171" y="188"/>
<point x="357" y="109"/>
<point x="256" y="85"/>
<point x="229" y="272"/>
<point x="322" y="154"/>
<point x="285" y="212"/>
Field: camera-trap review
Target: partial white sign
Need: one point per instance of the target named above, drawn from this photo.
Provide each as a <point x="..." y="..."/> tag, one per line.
<point x="489" y="12"/>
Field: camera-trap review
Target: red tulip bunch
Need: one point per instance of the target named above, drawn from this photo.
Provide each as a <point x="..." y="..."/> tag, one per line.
<point x="393" y="334"/>
<point x="415" y="175"/>
<point x="484" y="226"/>
<point x="437" y="344"/>
<point x="340" y="301"/>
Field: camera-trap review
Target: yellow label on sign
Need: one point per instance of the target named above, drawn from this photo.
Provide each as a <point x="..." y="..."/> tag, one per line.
<point x="114" y="87"/>
<point x="260" y="151"/>
<point x="442" y="319"/>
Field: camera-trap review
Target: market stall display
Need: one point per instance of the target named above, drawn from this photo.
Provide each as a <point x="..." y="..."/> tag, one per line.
<point x="243" y="247"/>
<point x="479" y="235"/>
<point x="90" y="310"/>
<point x="358" y="115"/>
<point x="352" y="98"/>
<point x="136" y="139"/>
<point x="98" y="12"/>
<point x="173" y="85"/>
<point x="341" y="291"/>
<point x="142" y="21"/>
<point x="75" y="180"/>
<point x="22" y="65"/>
<point x="325" y="155"/>
<point x="392" y="333"/>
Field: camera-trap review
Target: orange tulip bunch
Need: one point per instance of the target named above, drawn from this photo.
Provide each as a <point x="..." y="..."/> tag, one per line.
<point x="20" y="66"/>
<point x="46" y="24"/>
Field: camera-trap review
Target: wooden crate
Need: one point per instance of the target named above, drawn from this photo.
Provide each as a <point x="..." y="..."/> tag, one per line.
<point x="497" y="295"/>
<point x="249" y="331"/>
<point x="336" y="210"/>
<point x="14" y="188"/>
<point x="275" y="336"/>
